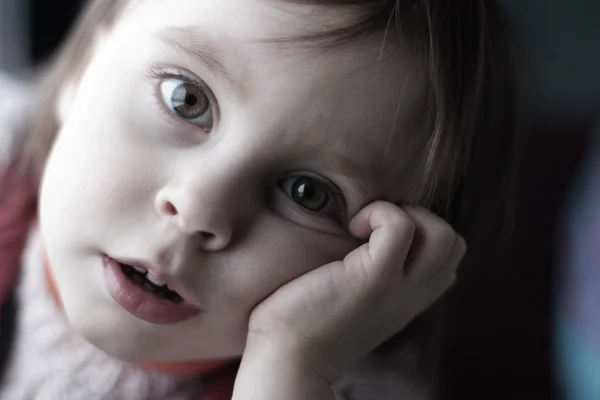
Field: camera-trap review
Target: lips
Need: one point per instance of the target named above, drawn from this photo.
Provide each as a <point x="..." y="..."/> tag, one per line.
<point x="140" y="292"/>
<point x="147" y="280"/>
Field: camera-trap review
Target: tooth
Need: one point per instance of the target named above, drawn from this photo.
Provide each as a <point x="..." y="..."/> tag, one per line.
<point x="140" y="269"/>
<point x="154" y="279"/>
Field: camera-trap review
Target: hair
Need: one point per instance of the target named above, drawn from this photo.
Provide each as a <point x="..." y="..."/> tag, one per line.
<point x="464" y="49"/>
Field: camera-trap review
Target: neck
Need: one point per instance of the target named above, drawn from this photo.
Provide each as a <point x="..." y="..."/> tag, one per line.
<point x="182" y="368"/>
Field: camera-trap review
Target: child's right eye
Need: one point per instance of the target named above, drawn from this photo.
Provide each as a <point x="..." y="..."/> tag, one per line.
<point x="184" y="96"/>
<point x="187" y="101"/>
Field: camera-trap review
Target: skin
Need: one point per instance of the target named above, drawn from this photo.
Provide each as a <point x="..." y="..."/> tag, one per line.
<point x="210" y="202"/>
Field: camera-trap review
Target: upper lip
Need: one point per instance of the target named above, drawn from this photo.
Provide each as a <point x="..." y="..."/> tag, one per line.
<point x="158" y="271"/>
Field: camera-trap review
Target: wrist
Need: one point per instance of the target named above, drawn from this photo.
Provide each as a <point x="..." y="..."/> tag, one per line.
<point x="275" y="371"/>
<point x="302" y="357"/>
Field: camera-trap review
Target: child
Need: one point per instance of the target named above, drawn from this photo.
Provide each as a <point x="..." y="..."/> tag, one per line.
<point x="258" y="180"/>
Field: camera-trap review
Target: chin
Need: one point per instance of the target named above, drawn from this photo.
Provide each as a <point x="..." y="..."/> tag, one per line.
<point x="122" y="348"/>
<point x="111" y="332"/>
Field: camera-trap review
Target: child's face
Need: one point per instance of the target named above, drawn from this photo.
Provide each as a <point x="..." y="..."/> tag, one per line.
<point x="227" y="162"/>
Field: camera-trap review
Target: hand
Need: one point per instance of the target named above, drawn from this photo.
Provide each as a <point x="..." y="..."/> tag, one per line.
<point x="335" y="314"/>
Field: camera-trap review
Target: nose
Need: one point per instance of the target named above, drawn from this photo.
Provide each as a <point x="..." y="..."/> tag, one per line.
<point x="208" y="219"/>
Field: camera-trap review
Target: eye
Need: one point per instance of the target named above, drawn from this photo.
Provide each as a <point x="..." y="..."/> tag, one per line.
<point x="308" y="192"/>
<point x="188" y="101"/>
<point x="314" y="195"/>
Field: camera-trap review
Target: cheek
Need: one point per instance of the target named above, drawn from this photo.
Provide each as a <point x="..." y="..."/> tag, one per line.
<point x="89" y="163"/>
<point x="96" y="145"/>
<point x="96" y="185"/>
<point x="278" y="252"/>
<point x="98" y="151"/>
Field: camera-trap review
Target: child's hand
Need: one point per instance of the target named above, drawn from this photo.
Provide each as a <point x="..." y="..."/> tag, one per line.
<point x="330" y="317"/>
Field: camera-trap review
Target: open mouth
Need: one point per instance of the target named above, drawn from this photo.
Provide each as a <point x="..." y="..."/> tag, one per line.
<point x="138" y="291"/>
<point x="141" y="277"/>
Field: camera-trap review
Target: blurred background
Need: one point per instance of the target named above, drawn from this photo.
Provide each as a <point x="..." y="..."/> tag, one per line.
<point x="503" y="347"/>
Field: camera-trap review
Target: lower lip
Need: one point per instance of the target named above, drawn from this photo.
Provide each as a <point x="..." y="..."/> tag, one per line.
<point x="143" y="304"/>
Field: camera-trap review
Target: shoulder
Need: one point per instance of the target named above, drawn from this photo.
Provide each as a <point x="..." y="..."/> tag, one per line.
<point x="14" y="96"/>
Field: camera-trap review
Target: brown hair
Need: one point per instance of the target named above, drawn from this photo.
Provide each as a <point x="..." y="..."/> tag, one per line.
<point x="464" y="48"/>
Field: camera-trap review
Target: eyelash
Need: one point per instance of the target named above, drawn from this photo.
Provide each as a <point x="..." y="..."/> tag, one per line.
<point x="159" y="73"/>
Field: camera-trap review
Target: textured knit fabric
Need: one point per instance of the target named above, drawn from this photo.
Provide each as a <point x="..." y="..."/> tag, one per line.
<point x="578" y="320"/>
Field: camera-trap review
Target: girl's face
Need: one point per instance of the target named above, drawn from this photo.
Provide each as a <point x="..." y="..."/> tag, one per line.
<point x="224" y="161"/>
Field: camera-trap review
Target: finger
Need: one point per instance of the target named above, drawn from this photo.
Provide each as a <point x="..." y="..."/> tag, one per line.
<point x="390" y="231"/>
<point x="433" y="243"/>
<point x="446" y="274"/>
<point x="438" y="284"/>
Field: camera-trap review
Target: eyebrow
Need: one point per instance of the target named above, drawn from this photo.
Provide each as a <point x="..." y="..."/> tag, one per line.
<point x="191" y="43"/>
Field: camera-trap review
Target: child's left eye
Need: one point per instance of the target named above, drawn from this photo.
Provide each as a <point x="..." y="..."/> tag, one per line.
<point x="314" y="195"/>
<point x="188" y="101"/>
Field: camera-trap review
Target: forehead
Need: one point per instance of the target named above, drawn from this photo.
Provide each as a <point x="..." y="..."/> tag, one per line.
<point x="364" y="99"/>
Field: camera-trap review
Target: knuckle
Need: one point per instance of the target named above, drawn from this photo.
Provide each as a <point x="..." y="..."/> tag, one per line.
<point x="402" y="224"/>
<point x="443" y="233"/>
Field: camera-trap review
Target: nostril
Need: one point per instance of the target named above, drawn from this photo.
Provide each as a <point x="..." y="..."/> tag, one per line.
<point x="170" y="208"/>
<point x="207" y="236"/>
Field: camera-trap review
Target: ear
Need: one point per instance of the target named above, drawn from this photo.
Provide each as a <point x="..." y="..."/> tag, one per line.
<point x="68" y="90"/>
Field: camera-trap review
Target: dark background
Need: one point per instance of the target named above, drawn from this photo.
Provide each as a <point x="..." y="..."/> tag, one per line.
<point x="502" y="348"/>
<point x="50" y="21"/>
